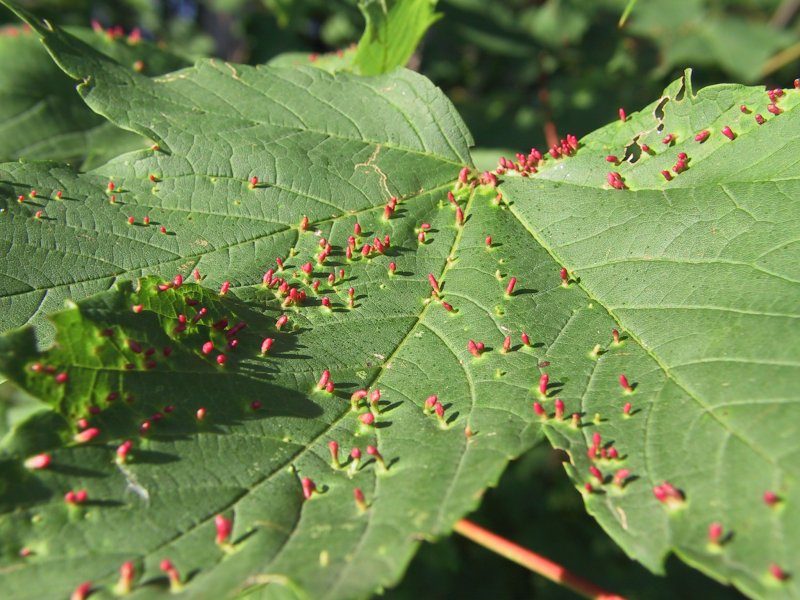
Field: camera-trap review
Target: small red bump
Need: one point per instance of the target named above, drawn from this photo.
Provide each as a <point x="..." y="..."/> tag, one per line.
<point x="153" y="178"/>
<point x="539" y="410"/>
<point x="459" y="216"/>
<point x="62" y="378"/>
<point x="666" y="493"/>
<point x="361" y="503"/>
<point x="526" y="340"/>
<point x="596" y="474"/>
<point x="564" y="275"/>
<point x="559" y="408"/>
<point x="200" y="414"/>
<point x="131" y="220"/>
<point x="488" y="241"/>
<point x="797" y="84"/>
<point x="510" y="287"/>
<point x="702" y="136"/>
<point x="507" y="343"/>
<point x="281" y="321"/>
<point x="430" y="402"/>
<point x="392" y="267"/>
<point x="333" y="446"/>
<point x="38" y="214"/>
<point x="615" y="336"/>
<point x="326" y="302"/>
<point x="122" y="451"/>
<point x="82" y="591"/>
<point x="774" y="109"/>
<point x="622" y="116"/>
<point x="626" y="410"/>
<point x="59" y="193"/>
<point x="87" y="435"/>
<point x="226" y="285"/>
<point x="623" y="381"/>
<point x="543" y="382"/>
<point x="620" y="477"/>
<point x="434" y="283"/>
<point x="367" y="418"/>
<point x="728" y="133"/>
<point x="40" y="461"/>
<point x="612" y="159"/>
<point x="324" y="379"/>
<point x="308" y="487"/>
<point x="253" y="181"/>
<point x="20" y="198"/>
<point x="588" y="487"/>
<point x="110" y="186"/>
<point x="714" y="533"/>
<point x="771" y="498"/>
<point x="127" y="572"/>
<point x="667" y="175"/>
<point x="645" y="148"/>
<point x="463" y="175"/>
<point x="208" y="348"/>
<point x="760" y="119"/>
<point x="224" y="528"/>
<point x="256" y="405"/>
<point x="174" y="579"/>
<point x="375" y="397"/>
<point x="777" y="572"/>
<point x="329" y="387"/>
<point x="163" y="230"/>
<point x="668" y="139"/>
<point x="221" y="359"/>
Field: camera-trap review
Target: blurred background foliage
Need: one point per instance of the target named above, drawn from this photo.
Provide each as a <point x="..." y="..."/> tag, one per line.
<point x="521" y="73"/>
<point x="517" y="70"/>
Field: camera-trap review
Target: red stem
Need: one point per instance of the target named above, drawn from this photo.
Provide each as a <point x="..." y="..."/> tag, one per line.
<point x="532" y="561"/>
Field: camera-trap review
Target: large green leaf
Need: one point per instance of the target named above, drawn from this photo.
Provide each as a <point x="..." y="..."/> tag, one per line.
<point x="700" y="274"/>
<point x="41" y="116"/>
<point x="334" y="149"/>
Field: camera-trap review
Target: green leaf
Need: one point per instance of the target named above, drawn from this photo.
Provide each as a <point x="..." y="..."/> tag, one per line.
<point x="394" y="29"/>
<point x="700" y="276"/>
<point x="335" y="149"/>
<point x="41" y="116"/>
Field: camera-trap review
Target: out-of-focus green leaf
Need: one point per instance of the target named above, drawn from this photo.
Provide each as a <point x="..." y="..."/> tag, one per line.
<point x="41" y="115"/>
<point x="394" y="29"/>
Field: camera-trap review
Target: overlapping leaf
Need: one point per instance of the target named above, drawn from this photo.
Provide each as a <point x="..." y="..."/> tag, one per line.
<point x="41" y="116"/>
<point x="700" y="274"/>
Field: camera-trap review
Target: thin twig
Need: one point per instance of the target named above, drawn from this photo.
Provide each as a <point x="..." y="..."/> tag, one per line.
<point x="532" y="561"/>
<point x="781" y="59"/>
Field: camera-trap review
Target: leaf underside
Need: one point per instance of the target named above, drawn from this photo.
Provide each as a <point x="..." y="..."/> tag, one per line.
<point x="698" y="273"/>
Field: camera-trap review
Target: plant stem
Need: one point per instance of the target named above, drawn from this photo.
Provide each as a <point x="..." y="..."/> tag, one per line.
<point x="532" y="561"/>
